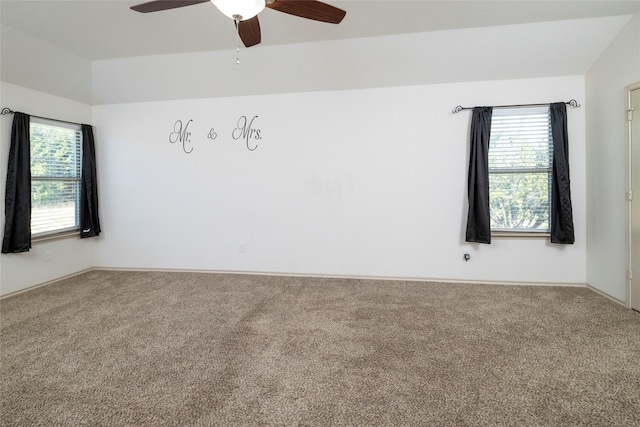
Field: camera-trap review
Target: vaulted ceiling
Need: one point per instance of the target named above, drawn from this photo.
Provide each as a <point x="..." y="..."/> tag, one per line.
<point x="98" y="29"/>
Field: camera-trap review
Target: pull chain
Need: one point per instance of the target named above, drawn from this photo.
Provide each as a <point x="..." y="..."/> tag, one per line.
<point x="237" y="18"/>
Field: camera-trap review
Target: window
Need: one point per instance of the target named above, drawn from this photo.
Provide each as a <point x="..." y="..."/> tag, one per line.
<point x="520" y="165"/>
<point x="56" y="160"/>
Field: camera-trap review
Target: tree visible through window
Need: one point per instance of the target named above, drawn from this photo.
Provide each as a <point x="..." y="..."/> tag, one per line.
<point x="520" y="165"/>
<point x="56" y="161"/>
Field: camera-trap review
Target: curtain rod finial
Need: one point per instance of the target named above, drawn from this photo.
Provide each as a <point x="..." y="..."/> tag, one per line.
<point x="457" y="109"/>
<point x="573" y="103"/>
<point x="6" y="111"/>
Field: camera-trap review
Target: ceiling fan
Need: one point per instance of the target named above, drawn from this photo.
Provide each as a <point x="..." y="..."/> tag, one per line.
<point x="244" y="12"/>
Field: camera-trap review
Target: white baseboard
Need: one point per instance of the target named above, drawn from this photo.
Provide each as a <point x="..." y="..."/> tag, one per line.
<point x="357" y="277"/>
<point x="609" y="297"/>
<point x="48" y="282"/>
<point x="285" y="274"/>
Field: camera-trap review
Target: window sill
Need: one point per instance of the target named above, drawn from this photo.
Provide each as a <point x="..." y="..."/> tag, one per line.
<point x="55" y="236"/>
<point x="520" y="234"/>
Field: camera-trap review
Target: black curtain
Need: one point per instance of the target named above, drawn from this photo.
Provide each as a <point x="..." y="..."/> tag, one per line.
<point x="561" y="211"/>
<point x="17" y="198"/>
<point x="89" y="220"/>
<point x="478" y="219"/>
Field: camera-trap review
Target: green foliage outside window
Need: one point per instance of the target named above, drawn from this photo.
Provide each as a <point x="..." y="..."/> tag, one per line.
<point x="519" y="201"/>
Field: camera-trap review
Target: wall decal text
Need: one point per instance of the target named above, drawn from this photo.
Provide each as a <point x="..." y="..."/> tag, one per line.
<point x="245" y="129"/>
<point x="181" y="134"/>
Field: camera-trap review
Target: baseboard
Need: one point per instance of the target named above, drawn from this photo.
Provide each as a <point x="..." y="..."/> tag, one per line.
<point x="327" y="276"/>
<point x="356" y="277"/>
<point x="607" y="296"/>
<point x="49" y="282"/>
<point x="268" y="273"/>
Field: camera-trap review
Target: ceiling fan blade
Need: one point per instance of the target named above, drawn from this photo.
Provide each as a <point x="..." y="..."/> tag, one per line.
<point x="249" y="31"/>
<point x="158" y="5"/>
<point x="310" y="9"/>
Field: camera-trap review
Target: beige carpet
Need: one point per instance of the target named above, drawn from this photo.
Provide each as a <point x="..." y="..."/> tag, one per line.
<point x="182" y="349"/>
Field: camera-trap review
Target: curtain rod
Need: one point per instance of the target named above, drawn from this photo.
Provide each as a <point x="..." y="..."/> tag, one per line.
<point x="6" y="111"/>
<point x="572" y="103"/>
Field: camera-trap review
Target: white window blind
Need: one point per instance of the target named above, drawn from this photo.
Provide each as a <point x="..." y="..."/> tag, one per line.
<point x="56" y="162"/>
<point x="520" y="162"/>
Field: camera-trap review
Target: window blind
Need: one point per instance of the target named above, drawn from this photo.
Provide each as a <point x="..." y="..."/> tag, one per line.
<point x="56" y="163"/>
<point x="520" y="141"/>
<point x="520" y="162"/>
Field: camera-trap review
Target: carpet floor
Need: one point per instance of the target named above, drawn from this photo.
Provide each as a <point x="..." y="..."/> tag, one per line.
<point x="195" y="349"/>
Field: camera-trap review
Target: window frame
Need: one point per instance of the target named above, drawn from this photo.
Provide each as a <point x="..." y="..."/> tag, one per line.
<point x="67" y="230"/>
<point x="523" y="233"/>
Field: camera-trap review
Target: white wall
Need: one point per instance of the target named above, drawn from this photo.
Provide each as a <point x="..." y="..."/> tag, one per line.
<point x="361" y="183"/>
<point x="20" y="271"/>
<point x="619" y="66"/>
<point x="476" y="54"/>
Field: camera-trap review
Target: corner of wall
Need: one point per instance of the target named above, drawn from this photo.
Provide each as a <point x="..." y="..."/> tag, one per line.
<point x="617" y="67"/>
<point x="68" y="256"/>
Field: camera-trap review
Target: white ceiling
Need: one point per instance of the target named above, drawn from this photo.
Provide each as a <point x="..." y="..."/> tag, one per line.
<point x="98" y="29"/>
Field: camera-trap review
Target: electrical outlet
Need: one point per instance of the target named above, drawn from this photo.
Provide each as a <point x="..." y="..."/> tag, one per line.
<point x="241" y="247"/>
<point x="47" y="256"/>
<point x="466" y="253"/>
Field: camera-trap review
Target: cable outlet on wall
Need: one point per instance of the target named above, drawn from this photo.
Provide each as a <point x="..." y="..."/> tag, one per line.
<point x="466" y="253"/>
<point x="241" y="247"/>
<point x="47" y="256"/>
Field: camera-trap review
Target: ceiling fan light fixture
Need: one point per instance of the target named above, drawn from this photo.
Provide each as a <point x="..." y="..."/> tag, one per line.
<point x="240" y="9"/>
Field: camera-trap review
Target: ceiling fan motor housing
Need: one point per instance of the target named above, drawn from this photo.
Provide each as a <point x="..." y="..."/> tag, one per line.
<point x="240" y="10"/>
